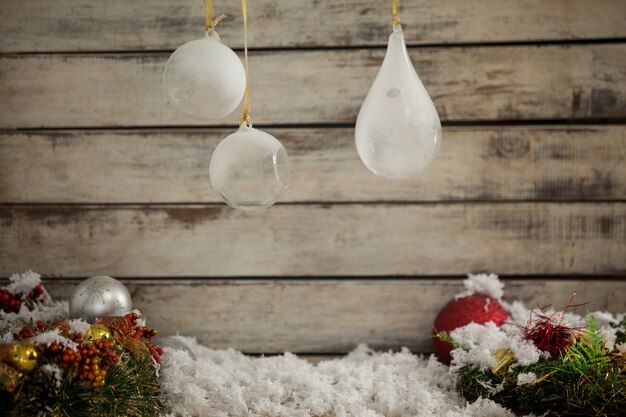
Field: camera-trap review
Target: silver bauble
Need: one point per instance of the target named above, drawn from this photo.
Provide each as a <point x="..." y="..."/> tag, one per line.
<point x="100" y="296"/>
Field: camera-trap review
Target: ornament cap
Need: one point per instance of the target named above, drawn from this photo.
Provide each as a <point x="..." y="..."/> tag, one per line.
<point x="212" y="36"/>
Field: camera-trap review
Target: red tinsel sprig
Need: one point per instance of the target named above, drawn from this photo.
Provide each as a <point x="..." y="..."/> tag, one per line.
<point x="549" y="333"/>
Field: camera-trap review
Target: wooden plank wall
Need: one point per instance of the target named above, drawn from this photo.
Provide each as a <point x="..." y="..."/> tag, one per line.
<point x="98" y="175"/>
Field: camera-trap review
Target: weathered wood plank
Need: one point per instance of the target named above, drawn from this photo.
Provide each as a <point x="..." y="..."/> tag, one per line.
<point x="487" y="163"/>
<point x="315" y="240"/>
<point x="83" y="25"/>
<point x="303" y="87"/>
<point x="330" y="316"/>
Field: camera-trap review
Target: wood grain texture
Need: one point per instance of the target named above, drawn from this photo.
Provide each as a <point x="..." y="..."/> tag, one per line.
<point x="329" y="316"/>
<point x="482" y="163"/>
<point x="83" y="25"/>
<point x="315" y="240"/>
<point x="307" y="87"/>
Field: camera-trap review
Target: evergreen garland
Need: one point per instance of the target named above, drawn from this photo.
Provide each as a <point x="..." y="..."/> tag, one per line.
<point x="587" y="380"/>
<point x="131" y="389"/>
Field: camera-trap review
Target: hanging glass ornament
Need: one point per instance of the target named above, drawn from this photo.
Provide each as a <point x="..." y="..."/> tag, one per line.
<point x="398" y="132"/>
<point x="204" y="78"/>
<point x="249" y="168"/>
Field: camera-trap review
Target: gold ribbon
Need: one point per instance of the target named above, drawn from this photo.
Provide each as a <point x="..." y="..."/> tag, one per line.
<point x="394" y="12"/>
<point x="245" y="118"/>
<point x="210" y="22"/>
<point x="543" y="378"/>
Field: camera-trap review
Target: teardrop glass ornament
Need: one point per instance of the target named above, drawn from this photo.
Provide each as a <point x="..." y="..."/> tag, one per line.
<point x="204" y="79"/>
<point x="398" y="131"/>
<point x="250" y="169"/>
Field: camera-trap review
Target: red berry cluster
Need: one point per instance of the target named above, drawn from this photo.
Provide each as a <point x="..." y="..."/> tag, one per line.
<point x="27" y="332"/>
<point x="91" y="360"/>
<point x="36" y="293"/>
<point x="156" y="352"/>
<point x="11" y="303"/>
<point x="95" y="360"/>
<point x="144" y="332"/>
<point x="52" y="349"/>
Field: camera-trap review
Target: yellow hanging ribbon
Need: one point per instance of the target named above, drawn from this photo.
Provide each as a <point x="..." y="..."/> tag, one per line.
<point x="394" y="12"/>
<point x="245" y="118"/>
<point x="210" y="22"/>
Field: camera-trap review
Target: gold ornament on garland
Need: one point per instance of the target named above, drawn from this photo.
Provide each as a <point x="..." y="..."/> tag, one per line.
<point x="97" y="332"/>
<point x="20" y="355"/>
<point x="504" y="359"/>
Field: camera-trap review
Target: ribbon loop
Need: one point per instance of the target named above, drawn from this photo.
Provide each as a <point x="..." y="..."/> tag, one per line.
<point x="394" y="12"/>
<point x="211" y="23"/>
<point x="245" y="118"/>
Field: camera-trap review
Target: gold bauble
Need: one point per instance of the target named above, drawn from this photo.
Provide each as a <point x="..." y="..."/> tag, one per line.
<point x="23" y="356"/>
<point x="97" y="332"/>
<point x="504" y="358"/>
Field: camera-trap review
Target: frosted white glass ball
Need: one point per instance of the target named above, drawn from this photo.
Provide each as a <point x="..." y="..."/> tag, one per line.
<point x="204" y="79"/>
<point x="250" y="169"/>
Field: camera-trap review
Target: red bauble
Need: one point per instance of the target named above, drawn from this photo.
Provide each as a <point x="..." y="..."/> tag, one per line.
<point x="477" y="308"/>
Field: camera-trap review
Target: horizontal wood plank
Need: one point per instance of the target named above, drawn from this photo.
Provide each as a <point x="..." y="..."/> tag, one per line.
<point x="315" y="240"/>
<point x="319" y="316"/>
<point x="84" y="25"/>
<point x="309" y="87"/>
<point x="486" y="163"/>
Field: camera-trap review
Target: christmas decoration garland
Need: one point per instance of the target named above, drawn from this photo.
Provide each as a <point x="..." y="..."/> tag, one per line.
<point x="54" y="366"/>
<point x="555" y="362"/>
<point x="535" y="362"/>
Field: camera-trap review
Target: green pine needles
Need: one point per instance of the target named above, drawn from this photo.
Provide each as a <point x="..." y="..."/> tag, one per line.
<point x="587" y="380"/>
<point x="131" y="390"/>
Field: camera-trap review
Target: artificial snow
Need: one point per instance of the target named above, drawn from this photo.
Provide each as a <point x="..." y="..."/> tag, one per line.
<point x="53" y="336"/>
<point x="524" y="378"/>
<point x="23" y="283"/>
<point x="492" y="389"/>
<point x="13" y="322"/>
<point x="477" y="344"/>
<point x="227" y="383"/>
<point x="54" y="372"/>
<point x="486" y="284"/>
<point x="78" y="326"/>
